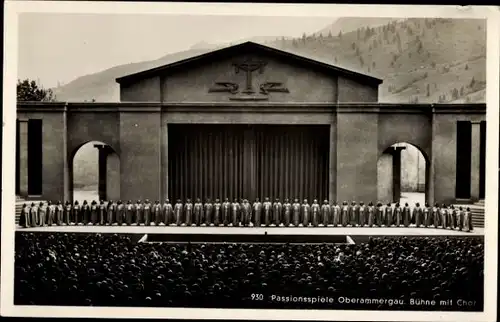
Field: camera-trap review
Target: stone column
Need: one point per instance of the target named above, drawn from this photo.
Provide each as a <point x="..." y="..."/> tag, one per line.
<point x="332" y="162"/>
<point x="23" y="158"/>
<point x="103" y="157"/>
<point x="396" y="173"/>
<point x="475" y="163"/>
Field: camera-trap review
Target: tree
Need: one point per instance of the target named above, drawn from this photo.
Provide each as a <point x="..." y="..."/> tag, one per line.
<point x="330" y="34"/>
<point x="29" y="90"/>
<point x="339" y="35"/>
<point x="428" y="90"/>
<point x="466" y="67"/>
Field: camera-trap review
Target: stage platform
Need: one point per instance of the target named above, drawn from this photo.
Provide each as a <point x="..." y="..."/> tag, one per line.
<point x="288" y="231"/>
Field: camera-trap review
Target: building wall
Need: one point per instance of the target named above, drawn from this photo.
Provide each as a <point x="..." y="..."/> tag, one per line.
<point x="140" y="155"/>
<point x="113" y="177"/>
<point x="384" y="178"/>
<point x="145" y="90"/>
<point x="305" y="85"/>
<point x="350" y="91"/>
<point x="357" y="156"/>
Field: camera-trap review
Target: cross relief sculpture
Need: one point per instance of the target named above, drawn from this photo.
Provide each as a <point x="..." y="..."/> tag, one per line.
<point x="249" y="66"/>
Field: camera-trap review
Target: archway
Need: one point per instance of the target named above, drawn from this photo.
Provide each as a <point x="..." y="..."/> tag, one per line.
<point x="95" y="172"/>
<point x="403" y="175"/>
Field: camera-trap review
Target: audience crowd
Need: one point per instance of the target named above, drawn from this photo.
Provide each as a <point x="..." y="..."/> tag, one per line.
<point x="243" y="213"/>
<point x="117" y="270"/>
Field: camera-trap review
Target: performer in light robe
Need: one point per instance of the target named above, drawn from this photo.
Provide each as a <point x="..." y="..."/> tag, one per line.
<point x="436" y="216"/>
<point x="427" y="215"/>
<point x="208" y="210"/>
<point x="235" y="213"/>
<point x="315" y="213"/>
<point x="344" y="214"/>
<point x="226" y="212"/>
<point x="362" y="214"/>
<point x="468" y="220"/>
<point x="257" y="213"/>
<point x="42" y="214"/>
<point x="93" y="212"/>
<point x="59" y="213"/>
<point x="25" y="218"/>
<point x="110" y="212"/>
<point x="157" y="213"/>
<point x="305" y="213"/>
<point x="371" y="214"/>
<point x="418" y="215"/>
<point x="198" y="212"/>
<point x="246" y="211"/>
<point x="51" y="213"/>
<point x="168" y="212"/>
<point x="354" y="214"/>
<point x="267" y="208"/>
<point x="139" y="213"/>
<point x="336" y="214"/>
<point x="68" y="213"/>
<point x="287" y="213"/>
<point x="85" y="213"/>
<point x="179" y="213"/>
<point x="389" y="218"/>
<point x="406" y="215"/>
<point x="459" y="218"/>
<point x="444" y="216"/>
<point x="296" y="209"/>
<point x="325" y="213"/>
<point x="398" y="215"/>
<point x="217" y="213"/>
<point x="277" y="212"/>
<point x="188" y="213"/>
<point x="77" y="213"/>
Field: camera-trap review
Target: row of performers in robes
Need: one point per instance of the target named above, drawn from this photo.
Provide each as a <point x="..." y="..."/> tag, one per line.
<point x="245" y="214"/>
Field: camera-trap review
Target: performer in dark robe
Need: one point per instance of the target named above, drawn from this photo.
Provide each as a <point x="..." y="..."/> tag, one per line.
<point x="217" y="213"/>
<point x="138" y="213"/>
<point x="179" y="213"/>
<point x="235" y="213"/>
<point x="287" y="213"/>
<point x="443" y="212"/>
<point x="188" y="213"/>
<point x="68" y="213"/>
<point x="146" y="212"/>
<point x="24" y="219"/>
<point x="168" y="213"/>
<point x="305" y="213"/>
<point x="277" y="212"/>
<point x="388" y="214"/>
<point x="370" y="215"/>
<point x="102" y="213"/>
<point x="406" y="215"/>
<point x="398" y="215"/>
<point x="296" y="209"/>
<point x="418" y="215"/>
<point x="267" y="208"/>
<point x="51" y="213"/>
<point x="257" y="213"/>
<point x="198" y="212"/>
<point x="120" y="213"/>
<point x="226" y="212"/>
<point x="59" y="213"/>
<point x="426" y="212"/>
<point x="85" y="213"/>
<point x="459" y="218"/>
<point x="452" y="217"/>
<point x="325" y="213"/>
<point x="363" y="212"/>
<point x="246" y="213"/>
<point x="158" y="213"/>
<point x="354" y="217"/>
<point x="33" y="212"/>
<point x="77" y="213"/>
<point x="379" y="215"/>
<point x="94" y="212"/>
<point x="129" y="213"/>
<point x="315" y="213"/>
<point x="208" y="212"/>
<point x="111" y="212"/>
<point x="345" y="212"/>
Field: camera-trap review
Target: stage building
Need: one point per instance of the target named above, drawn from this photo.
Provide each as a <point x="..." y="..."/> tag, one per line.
<point x="250" y="121"/>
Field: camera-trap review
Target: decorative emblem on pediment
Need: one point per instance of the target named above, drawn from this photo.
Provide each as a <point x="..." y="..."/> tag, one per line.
<point x="249" y="66"/>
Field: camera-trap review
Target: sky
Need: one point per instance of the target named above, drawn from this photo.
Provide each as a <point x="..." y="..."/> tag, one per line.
<point x="58" y="48"/>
